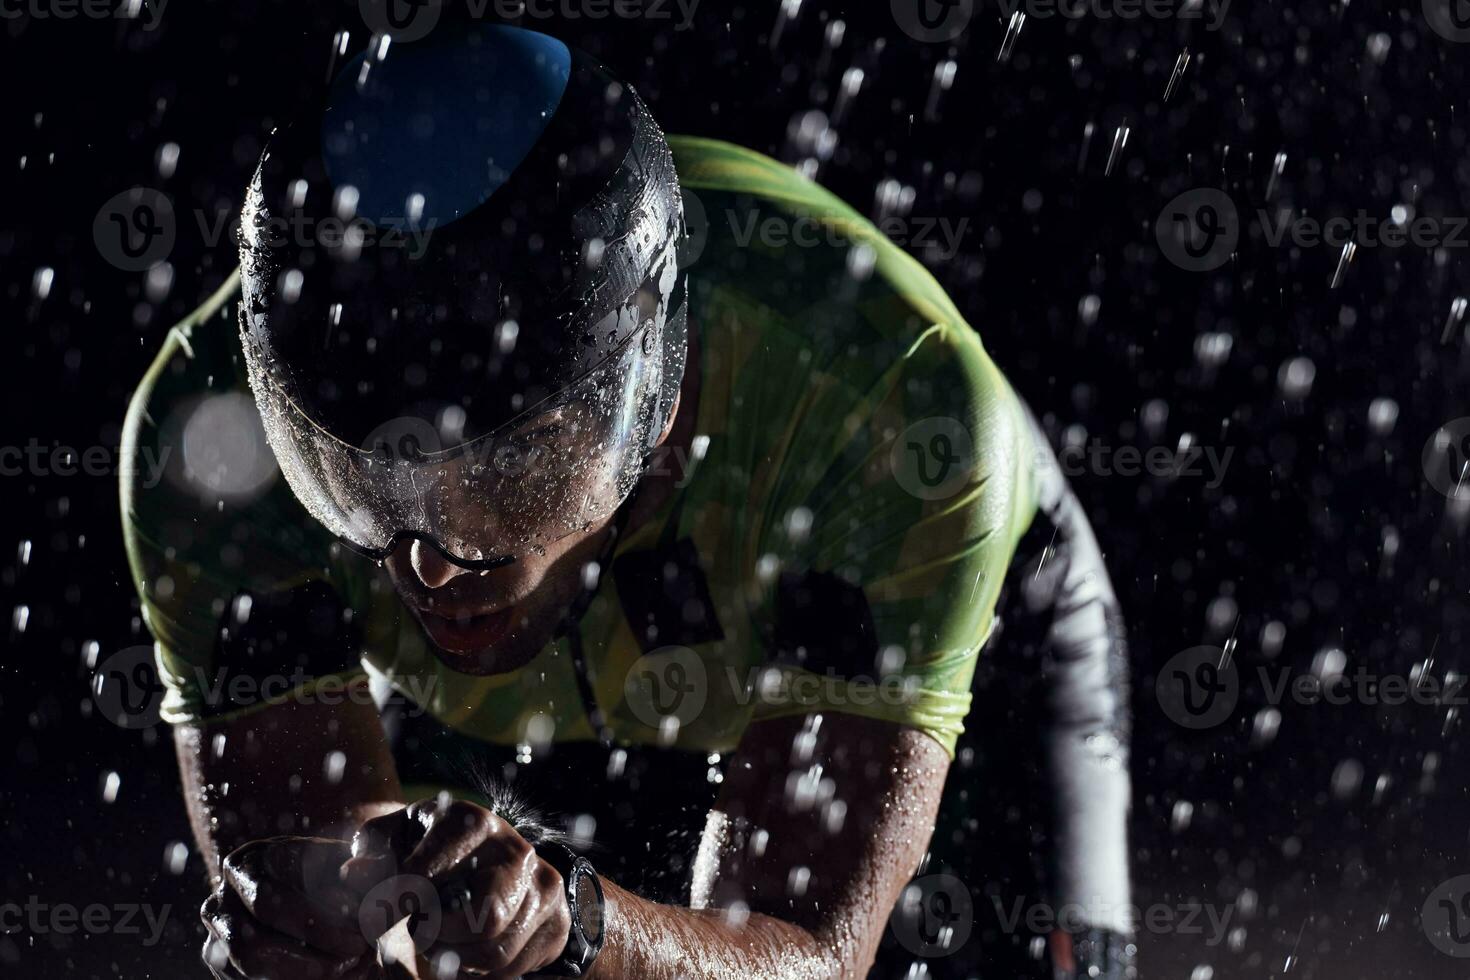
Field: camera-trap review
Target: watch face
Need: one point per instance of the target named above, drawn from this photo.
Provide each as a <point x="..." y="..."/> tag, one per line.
<point x="588" y="905"/>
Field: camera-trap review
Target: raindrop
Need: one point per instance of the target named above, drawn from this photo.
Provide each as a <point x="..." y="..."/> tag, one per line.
<point x="789" y="10"/>
<point x="1180" y="64"/>
<point x="175" y="856"/>
<point x="1328" y="664"/>
<point x="943" y="81"/>
<point x="446" y="965"/>
<point x="1347" y="778"/>
<point x="1088" y="308"/>
<point x="1378" y="47"/>
<point x="290" y="286"/>
<point x="1457" y="313"/>
<point x="1349" y="252"/>
<point x="111" y="783"/>
<point x="1181" y="817"/>
<point x="344" y="202"/>
<point x="1213" y="349"/>
<point x="1295" y="378"/>
<point x="1265" y="727"/>
<point x="1273" y="635"/>
<point x="168" y="160"/>
<point x="1120" y="140"/>
<point x="1013" y="31"/>
<point x="1382" y="414"/>
<point x="41" y="282"/>
<point x="798" y="524"/>
<point x="159" y="281"/>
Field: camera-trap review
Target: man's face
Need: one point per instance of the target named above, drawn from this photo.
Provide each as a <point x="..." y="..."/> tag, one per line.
<point x="494" y="621"/>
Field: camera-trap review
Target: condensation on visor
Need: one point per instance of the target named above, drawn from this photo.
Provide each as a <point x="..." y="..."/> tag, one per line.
<point x="559" y="467"/>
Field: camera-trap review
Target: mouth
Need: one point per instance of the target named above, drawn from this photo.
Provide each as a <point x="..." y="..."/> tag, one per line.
<point x="463" y="632"/>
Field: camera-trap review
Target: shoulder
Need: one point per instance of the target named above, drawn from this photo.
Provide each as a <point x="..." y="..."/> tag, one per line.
<point x="738" y="198"/>
<point x="206" y="517"/>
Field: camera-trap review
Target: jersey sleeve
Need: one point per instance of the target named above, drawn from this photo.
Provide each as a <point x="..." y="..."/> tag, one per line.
<point x="890" y="526"/>
<point x="236" y="583"/>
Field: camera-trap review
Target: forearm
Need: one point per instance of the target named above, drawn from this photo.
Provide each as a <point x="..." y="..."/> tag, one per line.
<point x="275" y="773"/>
<point x="648" y="941"/>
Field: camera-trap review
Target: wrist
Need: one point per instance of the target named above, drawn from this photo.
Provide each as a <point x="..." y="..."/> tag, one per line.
<point x="586" y="903"/>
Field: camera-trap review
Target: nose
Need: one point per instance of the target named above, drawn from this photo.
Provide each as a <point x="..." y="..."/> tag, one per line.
<point x="430" y="566"/>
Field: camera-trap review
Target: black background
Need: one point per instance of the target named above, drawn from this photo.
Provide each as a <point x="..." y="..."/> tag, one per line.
<point x="1295" y="533"/>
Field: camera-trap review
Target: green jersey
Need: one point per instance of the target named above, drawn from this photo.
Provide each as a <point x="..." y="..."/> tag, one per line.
<point x="859" y="478"/>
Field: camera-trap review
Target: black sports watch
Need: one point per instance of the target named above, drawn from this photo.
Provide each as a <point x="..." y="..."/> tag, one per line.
<point x="584" y="897"/>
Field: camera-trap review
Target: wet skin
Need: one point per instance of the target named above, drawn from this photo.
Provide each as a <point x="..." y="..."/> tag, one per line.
<point x="289" y="905"/>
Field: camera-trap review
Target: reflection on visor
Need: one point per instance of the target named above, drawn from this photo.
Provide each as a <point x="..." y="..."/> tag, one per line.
<point x="560" y="467"/>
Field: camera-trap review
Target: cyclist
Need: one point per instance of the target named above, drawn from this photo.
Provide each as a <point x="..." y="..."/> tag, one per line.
<point x="694" y="535"/>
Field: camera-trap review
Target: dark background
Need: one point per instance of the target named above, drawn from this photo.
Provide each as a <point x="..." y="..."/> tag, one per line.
<point x="1295" y="534"/>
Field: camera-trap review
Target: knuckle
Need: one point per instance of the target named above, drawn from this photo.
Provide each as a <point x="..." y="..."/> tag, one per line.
<point x="548" y="880"/>
<point x="465" y="816"/>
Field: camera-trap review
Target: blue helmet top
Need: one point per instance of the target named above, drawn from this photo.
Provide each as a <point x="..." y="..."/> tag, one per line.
<point x="449" y="119"/>
<point x="493" y="174"/>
